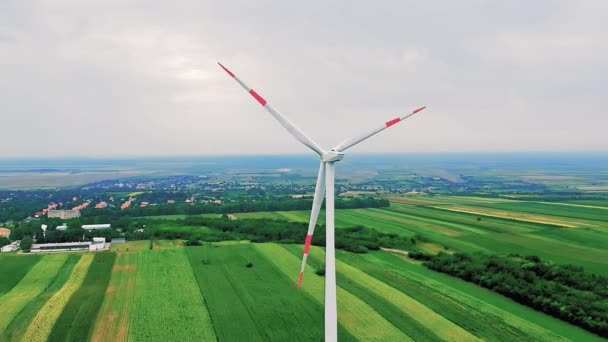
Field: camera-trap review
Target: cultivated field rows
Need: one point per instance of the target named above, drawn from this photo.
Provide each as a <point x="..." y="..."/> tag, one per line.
<point x="207" y="293"/>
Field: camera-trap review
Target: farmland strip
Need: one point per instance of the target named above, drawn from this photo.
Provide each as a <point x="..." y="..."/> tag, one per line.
<point x="13" y="268"/>
<point x="17" y="327"/>
<point x="78" y="316"/>
<point x="39" y="329"/>
<point x="112" y="323"/>
<point x="35" y="282"/>
<point x="358" y="318"/>
<point x="167" y="303"/>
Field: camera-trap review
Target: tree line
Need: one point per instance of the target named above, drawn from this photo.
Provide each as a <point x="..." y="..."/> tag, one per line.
<point x="358" y="239"/>
<point x="283" y="203"/>
<point x="567" y="292"/>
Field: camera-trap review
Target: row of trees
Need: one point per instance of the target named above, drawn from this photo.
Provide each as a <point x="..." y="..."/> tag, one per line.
<point x="357" y="239"/>
<point x="284" y="203"/>
<point x="563" y="291"/>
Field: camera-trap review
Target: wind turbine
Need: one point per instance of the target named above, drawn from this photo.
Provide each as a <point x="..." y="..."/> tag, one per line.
<point x="324" y="188"/>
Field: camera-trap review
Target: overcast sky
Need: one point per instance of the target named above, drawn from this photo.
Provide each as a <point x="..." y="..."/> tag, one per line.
<point x="130" y="78"/>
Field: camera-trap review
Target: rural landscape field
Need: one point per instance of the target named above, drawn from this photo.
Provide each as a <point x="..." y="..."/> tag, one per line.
<point x="204" y="290"/>
<point x="270" y="171"/>
<point x="231" y="276"/>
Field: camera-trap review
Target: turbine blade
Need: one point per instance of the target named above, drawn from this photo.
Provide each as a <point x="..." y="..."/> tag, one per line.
<point x="290" y="127"/>
<point x="354" y="141"/>
<point x="314" y="215"/>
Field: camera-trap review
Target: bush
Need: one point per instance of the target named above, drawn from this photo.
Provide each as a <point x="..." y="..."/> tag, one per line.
<point x="193" y="242"/>
<point x="4" y="241"/>
<point x="422" y="238"/>
<point x="249" y="265"/>
<point x="420" y="256"/>
<point x="26" y="243"/>
<point x="356" y="249"/>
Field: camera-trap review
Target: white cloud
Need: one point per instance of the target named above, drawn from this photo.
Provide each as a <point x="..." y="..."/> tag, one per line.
<point x="140" y="78"/>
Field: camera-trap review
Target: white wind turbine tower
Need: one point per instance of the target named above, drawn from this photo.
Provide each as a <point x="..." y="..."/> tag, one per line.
<point x="324" y="188"/>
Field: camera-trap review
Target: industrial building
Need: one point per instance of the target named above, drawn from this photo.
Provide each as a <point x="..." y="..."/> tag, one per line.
<point x="64" y="214"/>
<point x="98" y="243"/>
<point x="96" y="226"/>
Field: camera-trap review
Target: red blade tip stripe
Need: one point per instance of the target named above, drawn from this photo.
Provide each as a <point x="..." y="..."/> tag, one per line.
<point x="226" y="70"/>
<point x="257" y="97"/>
<point x="299" y="280"/>
<point x="419" y="109"/>
<point x="392" y="122"/>
<point x="307" y="243"/>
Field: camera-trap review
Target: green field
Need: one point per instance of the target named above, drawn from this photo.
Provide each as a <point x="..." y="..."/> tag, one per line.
<point x="161" y="290"/>
<point x="167" y="303"/>
<point x="13" y="268"/>
<point x="532" y="228"/>
<point x="255" y="297"/>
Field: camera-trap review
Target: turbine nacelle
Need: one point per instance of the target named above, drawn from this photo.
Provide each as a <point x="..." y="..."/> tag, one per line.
<point x="332" y="156"/>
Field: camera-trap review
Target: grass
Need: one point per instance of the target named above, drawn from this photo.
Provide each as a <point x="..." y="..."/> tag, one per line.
<point x="112" y="323"/>
<point x="39" y="278"/>
<point x="78" y="316"/>
<point x="13" y="268"/>
<point x="181" y="229"/>
<point x="40" y="327"/>
<point x="260" y="298"/>
<point x="130" y="246"/>
<point x="167" y="303"/>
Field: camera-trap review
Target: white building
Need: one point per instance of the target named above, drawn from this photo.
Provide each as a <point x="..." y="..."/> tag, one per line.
<point x="99" y="243"/>
<point x="9" y="248"/>
<point x="96" y="226"/>
<point x="60" y="247"/>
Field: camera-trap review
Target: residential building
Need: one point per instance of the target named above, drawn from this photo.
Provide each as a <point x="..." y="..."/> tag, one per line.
<point x="101" y="205"/>
<point x="82" y="206"/>
<point x="5" y="232"/>
<point x="64" y="214"/>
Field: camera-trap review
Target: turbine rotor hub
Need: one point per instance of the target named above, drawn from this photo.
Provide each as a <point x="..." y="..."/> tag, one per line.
<point x="332" y="156"/>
